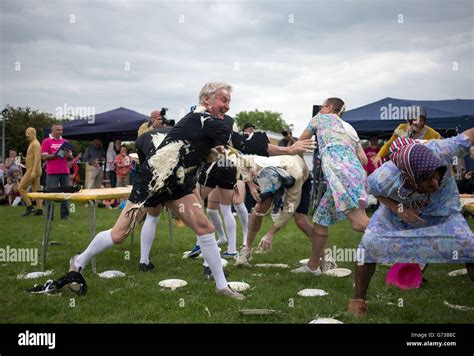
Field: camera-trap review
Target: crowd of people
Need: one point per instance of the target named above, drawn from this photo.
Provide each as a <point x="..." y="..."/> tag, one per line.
<point x="205" y="158"/>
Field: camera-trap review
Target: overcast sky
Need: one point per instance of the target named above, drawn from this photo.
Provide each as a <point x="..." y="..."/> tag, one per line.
<point x="283" y="56"/>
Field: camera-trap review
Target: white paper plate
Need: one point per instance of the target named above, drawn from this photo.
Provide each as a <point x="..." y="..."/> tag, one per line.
<point x="111" y="274"/>
<point x="239" y="286"/>
<point x="458" y="272"/>
<point x="458" y="307"/>
<point x="172" y="283"/>
<point x="33" y="275"/>
<point x="257" y="311"/>
<point x="304" y="262"/>
<point x="224" y="263"/>
<point x="312" y="293"/>
<point x="272" y="265"/>
<point x="338" y="272"/>
<point x="325" y="321"/>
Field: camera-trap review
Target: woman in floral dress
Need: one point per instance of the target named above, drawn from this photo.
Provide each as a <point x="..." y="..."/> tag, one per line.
<point x="419" y="219"/>
<point x="341" y="156"/>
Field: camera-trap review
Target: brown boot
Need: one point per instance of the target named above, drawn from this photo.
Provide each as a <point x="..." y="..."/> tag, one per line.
<point x="357" y="308"/>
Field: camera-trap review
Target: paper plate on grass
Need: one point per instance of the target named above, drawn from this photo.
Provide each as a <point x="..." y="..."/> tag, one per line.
<point x="239" y="286"/>
<point x="257" y="311"/>
<point x="223" y="260"/>
<point x="458" y="307"/>
<point x="111" y="274"/>
<point x="325" y="321"/>
<point x="33" y="275"/>
<point x="338" y="272"/>
<point x="172" y="283"/>
<point x="458" y="272"/>
<point x="272" y="265"/>
<point x="312" y="293"/>
<point x="304" y="262"/>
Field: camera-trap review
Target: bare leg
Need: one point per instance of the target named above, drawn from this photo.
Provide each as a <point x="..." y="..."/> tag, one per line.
<point x="312" y="232"/>
<point x="363" y="275"/>
<point x="319" y="240"/>
<point x="256" y="220"/>
<point x="358" y="219"/>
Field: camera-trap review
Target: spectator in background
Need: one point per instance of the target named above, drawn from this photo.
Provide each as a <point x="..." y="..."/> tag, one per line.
<point x="287" y="139"/>
<point x="112" y="151"/>
<point x="12" y="163"/>
<point x="57" y="169"/>
<point x="371" y="152"/>
<point x="8" y="188"/>
<point x="123" y="166"/>
<point x="74" y="169"/>
<point x="154" y="123"/>
<point x="469" y="160"/>
<point x="2" y="171"/>
<point x="134" y="168"/>
<point x="14" y="198"/>
<point x="3" y="198"/>
<point x="416" y="129"/>
<point x="94" y="156"/>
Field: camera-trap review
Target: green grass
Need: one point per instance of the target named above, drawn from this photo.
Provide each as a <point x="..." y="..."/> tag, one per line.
<point x="137" y="298"/>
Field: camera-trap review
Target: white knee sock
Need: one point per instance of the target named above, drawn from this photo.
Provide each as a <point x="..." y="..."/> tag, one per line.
<point x="211" y="255"/>
<point x="102" y="241"/>
<point x="243" y="215"/>
<point x="230" y="228"/>
<point x="217" y="222"/>
<point x="147" y="236"/>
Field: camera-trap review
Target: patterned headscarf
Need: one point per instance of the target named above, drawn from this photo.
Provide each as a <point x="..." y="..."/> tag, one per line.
<point x="414" y="160"/>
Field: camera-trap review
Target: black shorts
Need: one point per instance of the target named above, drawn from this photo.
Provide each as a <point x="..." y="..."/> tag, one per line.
<point x="303" y="208"/>
<point x="172" y="191"/>
<point x="222" y="177"/>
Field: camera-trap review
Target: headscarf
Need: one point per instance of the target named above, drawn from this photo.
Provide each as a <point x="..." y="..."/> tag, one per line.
<point x="415" y="161"/>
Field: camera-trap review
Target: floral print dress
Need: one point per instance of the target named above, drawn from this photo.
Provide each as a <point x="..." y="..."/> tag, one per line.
<point x="342" y="170"/>
<point x="444" y="237"/>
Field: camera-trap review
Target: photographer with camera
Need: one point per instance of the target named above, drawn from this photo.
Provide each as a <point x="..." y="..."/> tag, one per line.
<point x="287" y="139"/>
<point x="158" y="120"/>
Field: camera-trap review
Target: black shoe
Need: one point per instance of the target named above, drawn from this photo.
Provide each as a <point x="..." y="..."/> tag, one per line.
<point x="29" y="210"/>
<point x="64" y="217"/>
<point x="143" y="267"/>
<point x="208" y="274"/>
<point x="39" y="212"/>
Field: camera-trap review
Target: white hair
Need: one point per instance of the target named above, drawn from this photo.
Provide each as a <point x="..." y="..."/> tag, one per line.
<point x="210" y="89"/>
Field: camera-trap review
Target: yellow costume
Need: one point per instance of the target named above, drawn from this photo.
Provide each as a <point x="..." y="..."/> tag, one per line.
<point x="145" y="127"/>
<point x="402" y="131"/>
<point x="33" y="169"/>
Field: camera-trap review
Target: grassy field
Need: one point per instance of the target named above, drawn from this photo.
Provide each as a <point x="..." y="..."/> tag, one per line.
<point x="137" y="298"/>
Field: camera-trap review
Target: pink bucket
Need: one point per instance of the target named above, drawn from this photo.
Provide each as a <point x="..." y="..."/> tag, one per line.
<point x="405" y="276"/>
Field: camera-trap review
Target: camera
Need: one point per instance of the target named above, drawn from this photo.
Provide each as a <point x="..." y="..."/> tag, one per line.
<point x="164" y="119"/>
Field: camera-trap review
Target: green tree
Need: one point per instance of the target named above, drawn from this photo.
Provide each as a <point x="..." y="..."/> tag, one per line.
<point x="263" y="120"/>
<point x="17" y="120"/>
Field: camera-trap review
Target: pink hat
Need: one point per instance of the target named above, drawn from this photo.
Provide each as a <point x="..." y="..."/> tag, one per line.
<point x="405" y="276"/>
